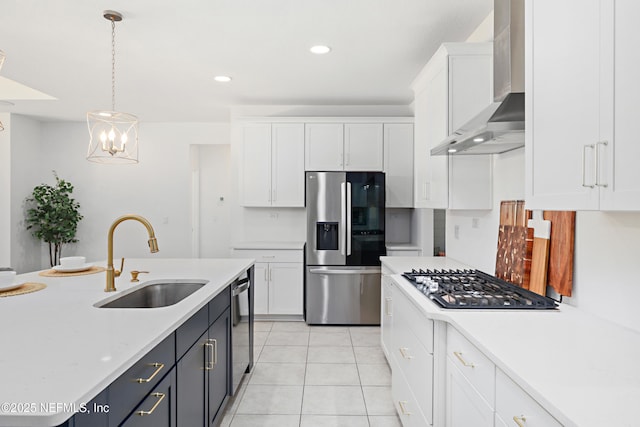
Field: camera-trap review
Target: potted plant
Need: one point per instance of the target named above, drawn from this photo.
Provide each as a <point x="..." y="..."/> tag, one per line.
<point x="54" y="216"/>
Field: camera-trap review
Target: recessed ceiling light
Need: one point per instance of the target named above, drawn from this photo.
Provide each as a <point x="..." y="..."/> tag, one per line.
<point x="320" y="49"/>
<point x="478" y="139"/>
<point x="222" y="79"/>
<point x="452" y="150"/>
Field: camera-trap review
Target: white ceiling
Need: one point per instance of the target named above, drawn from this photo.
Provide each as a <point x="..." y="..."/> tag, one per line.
<point x="167" y="53"/>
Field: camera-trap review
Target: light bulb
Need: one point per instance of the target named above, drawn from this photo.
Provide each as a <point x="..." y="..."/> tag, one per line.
<point x="112" y="135"/>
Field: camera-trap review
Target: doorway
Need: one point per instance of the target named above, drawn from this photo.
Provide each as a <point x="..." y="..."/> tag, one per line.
<point x="211" y="214"/>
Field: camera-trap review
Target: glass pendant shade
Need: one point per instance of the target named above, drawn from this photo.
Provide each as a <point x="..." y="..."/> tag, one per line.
<point x="114" y="137"/>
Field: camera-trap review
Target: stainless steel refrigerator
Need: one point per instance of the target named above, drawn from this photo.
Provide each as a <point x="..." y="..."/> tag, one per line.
<point x="345" y="239"/>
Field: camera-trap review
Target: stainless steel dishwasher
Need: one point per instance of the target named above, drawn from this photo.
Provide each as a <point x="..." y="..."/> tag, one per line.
<point x="241" y="329"/>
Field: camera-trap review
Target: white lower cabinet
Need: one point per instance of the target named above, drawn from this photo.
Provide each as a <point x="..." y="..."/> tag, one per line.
<point x="405" y="402"/>
<point x="470" y="383"/>
<point x="440" y="377"/>
<point x="278" y="283"/>
<point x="285" y="288"/>
<point x="411" y="351"/>
<point x="386" y="315"/>
<point x="515" y="407"/>
<point x="465" y="406"/>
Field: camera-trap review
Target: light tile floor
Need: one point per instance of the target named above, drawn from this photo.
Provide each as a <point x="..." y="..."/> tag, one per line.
<point x="315" y="376"/>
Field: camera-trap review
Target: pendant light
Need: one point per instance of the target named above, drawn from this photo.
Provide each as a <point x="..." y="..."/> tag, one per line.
<point x="114" y="135"/>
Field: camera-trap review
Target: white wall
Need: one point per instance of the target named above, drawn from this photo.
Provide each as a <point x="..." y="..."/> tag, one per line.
<point x="477" y="246"/>
<point x="5" y="191"/>
<point x="26" y="173"/>
<point x="484" y="31"/>
<point x="158" y="188"/>
<point x="214" y="174"/>
<point x="607" y="247"/>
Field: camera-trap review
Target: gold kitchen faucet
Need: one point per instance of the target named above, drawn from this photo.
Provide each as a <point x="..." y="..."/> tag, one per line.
<point x="111" y="272"/>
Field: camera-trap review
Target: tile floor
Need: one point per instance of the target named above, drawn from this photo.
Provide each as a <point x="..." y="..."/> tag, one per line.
<point x="315" y="376"/>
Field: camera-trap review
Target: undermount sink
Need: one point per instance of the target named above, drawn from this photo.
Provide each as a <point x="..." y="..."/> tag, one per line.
<point x="157" y="293"/>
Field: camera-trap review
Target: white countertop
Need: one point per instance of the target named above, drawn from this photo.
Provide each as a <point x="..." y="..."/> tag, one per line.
<point x="402" y="247"/>
<point x="57" y="347"/>
<point x="584" y="370"/>
<point x="268" y="245"/>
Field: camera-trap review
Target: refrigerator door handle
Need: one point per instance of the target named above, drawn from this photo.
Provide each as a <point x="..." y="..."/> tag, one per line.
<point x="348" y="234"/>
<point x="336" y="271"/>
<point x="343" y="219"/>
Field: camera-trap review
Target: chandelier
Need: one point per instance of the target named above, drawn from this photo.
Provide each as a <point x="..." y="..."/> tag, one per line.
<point x="114" y="135"/>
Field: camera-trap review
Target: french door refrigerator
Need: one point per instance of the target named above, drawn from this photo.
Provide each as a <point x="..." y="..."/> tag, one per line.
<point x="345" y="239"/>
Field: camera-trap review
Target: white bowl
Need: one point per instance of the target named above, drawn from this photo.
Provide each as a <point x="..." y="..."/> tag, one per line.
<point x="7" y="278"/>
<point x="72" y="261"/>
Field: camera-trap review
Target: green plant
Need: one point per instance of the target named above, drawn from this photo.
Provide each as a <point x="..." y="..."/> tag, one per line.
<point x="54" y="216"/>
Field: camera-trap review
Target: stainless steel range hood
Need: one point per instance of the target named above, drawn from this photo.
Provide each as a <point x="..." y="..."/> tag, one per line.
<point x="499" y="127"/>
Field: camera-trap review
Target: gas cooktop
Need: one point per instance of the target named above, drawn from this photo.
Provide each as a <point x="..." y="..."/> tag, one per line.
<point x="474" y="289"/>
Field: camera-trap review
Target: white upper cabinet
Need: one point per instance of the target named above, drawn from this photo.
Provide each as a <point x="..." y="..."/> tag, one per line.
<point x="273" y="164"/>
<point x="324" y="147"/>
<point x="287" y="166"/>
<point x="256" y="164"/>
<point x="453" y="87"/>
<point x="348" y="147"/>
<point x="398" y="164"/>
<point x="363" y="148"/>
<point x="581" y="73"/>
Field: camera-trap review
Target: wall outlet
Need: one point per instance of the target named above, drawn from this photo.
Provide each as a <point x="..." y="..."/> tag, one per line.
<point x="456" y="231"/>
<point x="475" y="222"/>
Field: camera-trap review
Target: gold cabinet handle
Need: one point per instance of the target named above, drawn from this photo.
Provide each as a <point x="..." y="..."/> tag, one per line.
<point x="403" y="408"/>
<point x="520" y="421"/>
<point x="403" y="352"/>
<point x="160" y="397"/>
<point x="464" y="362"/>
<point x="159" y="367"/>
<point x="213" y="359"/>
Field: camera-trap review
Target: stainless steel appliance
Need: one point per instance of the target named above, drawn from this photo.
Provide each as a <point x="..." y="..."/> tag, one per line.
<point x="241" y="329"/>
<point x="345" y="239"/>
<point x="499" y="127"/>
<point x="473" y="289"/>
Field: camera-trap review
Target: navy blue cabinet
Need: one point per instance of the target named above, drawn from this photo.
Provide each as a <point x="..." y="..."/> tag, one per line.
<point x="183" y="381"/>
<point x="203" y="372"/>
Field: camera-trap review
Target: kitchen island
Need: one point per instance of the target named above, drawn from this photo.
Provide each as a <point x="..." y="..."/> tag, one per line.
<point x="59" y="351"/>
<point x="582" y="370"/>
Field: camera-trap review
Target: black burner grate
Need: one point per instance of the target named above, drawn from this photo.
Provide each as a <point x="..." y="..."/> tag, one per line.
<point x="464" y="289"/>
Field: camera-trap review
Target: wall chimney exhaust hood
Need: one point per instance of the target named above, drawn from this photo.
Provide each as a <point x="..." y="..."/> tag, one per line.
<point x="500" y="126"/>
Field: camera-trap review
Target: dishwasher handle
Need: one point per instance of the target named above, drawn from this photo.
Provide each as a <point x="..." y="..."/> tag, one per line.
<point x="336" y="271"/>
<point x="240" y="286"/>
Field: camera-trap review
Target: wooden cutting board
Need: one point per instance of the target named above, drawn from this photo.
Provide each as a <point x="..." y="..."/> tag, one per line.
<point x="512" y="262"/>
<point x="561" y="250"/>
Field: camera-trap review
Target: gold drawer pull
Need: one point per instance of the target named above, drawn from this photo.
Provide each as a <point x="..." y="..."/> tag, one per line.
<point x="155" y="365"/>
<point x="150" y="411"/>
<point x="464" y="362"/>
<point x="403" y="408"/>
<point x="213" y="358"/>
<point x="403" y="352"/>
<point x="520" y="421"/>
